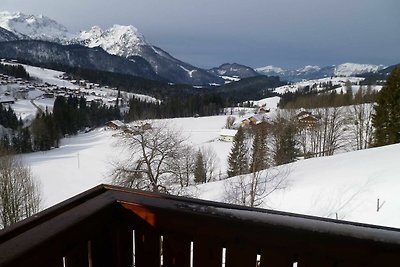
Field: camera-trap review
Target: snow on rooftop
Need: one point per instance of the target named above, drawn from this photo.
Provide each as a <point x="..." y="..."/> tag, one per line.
<point x="228" y="132"/>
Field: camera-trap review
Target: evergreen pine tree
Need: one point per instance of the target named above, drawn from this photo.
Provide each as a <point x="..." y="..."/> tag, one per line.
<point x="285" y="143"/>
<point x="386" y="119"/>
<point x="199" y="170"/>
<point x="259" y="149"/>
<point x="238" y="159"/>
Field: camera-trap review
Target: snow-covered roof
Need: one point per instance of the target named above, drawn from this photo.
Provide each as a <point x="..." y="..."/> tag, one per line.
<point x="228" y="132"/>
<point x="117" y="123"/>
<point x="6" y="99"/>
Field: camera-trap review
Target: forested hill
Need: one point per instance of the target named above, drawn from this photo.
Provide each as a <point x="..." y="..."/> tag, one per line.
<point x="252" y="88"/>
<point x="42" y="52"/>
<point x="377" y="77"/>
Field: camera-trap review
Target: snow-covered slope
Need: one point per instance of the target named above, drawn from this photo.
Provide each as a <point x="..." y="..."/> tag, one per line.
<point x="345" y="185"/>
<point x="33" y="27"/>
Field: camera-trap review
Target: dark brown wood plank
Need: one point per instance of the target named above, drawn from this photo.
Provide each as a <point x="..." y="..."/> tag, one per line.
<point x="276" y="258"/>
<point x="176" y="251"/>
<point x="77" y="256"/>
<point x="123" y="246"/>
<point x="207" y="253"/>
<point x="315" y="261"/>
<point x="113" y="247"/>
<point x="147" y="248"/>
<point x="238" y="255"/>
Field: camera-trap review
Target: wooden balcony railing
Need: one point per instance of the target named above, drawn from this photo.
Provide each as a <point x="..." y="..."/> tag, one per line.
<point x="112" y="226"/>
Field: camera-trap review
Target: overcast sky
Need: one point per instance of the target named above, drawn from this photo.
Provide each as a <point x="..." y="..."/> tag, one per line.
<point x="207" y="33"/>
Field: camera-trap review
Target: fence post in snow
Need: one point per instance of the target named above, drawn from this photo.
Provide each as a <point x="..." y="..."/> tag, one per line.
<point x="379" y="205"/>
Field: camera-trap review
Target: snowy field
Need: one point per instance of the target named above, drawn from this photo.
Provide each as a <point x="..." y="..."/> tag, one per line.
<point x="344" y="186"/>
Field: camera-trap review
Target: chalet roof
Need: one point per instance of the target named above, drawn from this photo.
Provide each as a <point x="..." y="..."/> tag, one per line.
<point x="303" y="113"/>
<point x="308" y="118"/>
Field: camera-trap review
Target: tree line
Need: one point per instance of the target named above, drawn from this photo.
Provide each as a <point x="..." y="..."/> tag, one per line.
<point x="386" y="118"/>
<point x="17" y="71"/>
<point x="173" y="107"/>
<point x="297" y="100"/>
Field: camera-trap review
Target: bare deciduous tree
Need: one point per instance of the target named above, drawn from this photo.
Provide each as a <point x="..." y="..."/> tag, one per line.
<point x="328" y="135"/>
<point x="210" y="163"/>
<point x="153" y="152"/>
<point x="183" y="166"/>
<point x="253" y="189"/>
<point x="19" y="192"/>
<point x="361" y="114"/>
<point x="230" y="121"/>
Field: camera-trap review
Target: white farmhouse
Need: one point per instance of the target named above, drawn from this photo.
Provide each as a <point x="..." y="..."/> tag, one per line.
<point x="227" y="135"/>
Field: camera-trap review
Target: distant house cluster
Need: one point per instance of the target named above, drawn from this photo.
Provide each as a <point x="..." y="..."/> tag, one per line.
<point x="128" y="128"/>
<point x="18" y="88"/>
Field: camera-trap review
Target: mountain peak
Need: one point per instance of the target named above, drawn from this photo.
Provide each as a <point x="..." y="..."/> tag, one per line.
<point x="33" y="27"/>
<point x="118" y="40"/>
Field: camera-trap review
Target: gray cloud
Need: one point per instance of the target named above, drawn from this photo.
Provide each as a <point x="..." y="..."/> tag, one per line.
<point x="254" y="32"/>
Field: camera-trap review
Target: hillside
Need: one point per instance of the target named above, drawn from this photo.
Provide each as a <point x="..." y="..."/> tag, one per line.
<point x="250" y="88"/>
<point x="347" y="184"/>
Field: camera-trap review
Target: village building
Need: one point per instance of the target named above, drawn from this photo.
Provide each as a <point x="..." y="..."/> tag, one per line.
<point x="227" y="135"/>
<point x="115" y="124"/>
<point x="7" y="100"/>
<point x="306" y="118"/>
<point x="253" y="120"/>
<point x="263" y="109"/>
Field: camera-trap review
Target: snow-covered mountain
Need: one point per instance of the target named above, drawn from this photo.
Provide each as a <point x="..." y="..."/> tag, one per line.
<point x="123" y="41"/>
<point x="270" y="70"/>
<point x="118" y="40"/>
<point x="34" y="27"/>
<point x="126" y="41"/>
<point x="316" y="72"/>
<point x="352" y="69"/>
<point x="293" y="75"/>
